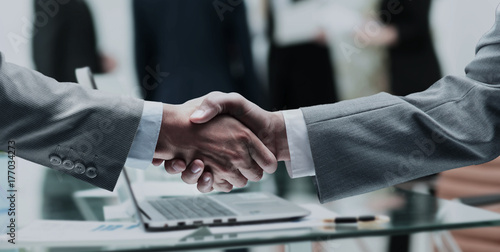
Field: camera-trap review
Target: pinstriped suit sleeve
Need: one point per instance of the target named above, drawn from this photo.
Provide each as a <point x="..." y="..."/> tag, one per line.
<point x="85" y="127"/>
<point x="365" y="144"/>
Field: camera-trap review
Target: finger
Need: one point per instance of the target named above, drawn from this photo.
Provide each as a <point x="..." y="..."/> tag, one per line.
<point x="223" y="186"/>
<point x="262" y="155"/>
<point x="212" y="105"/>
<point x="205" y="182"/>
<point x="217" y="103"/>
<point x="193" y="172"/>
<point x="235" y="178"/>
<point x="157" y="162"/>
<point x="175" y="166"/>
<point x="255" y="174"/>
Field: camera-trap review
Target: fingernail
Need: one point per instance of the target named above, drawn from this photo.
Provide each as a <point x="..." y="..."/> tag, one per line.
<point x="206" y="179"/>
<point x="176" y="167"/>
<point x="198" y="113"/>
<point x="195" y="169"/>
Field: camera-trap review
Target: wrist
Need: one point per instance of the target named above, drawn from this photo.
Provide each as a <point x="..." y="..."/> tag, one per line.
<point x="162" y="150"/>
<point x="280" y="137"/>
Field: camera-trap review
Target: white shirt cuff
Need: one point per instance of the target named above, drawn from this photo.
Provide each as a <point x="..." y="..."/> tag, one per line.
<point x="144" y="144"/>
<point x="301" y="162"/>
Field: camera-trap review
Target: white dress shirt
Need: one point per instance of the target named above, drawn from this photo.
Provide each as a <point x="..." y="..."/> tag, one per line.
<point x="144" y="144"/>
<point x="143" y="147"/>
<point x="301" y="162"/>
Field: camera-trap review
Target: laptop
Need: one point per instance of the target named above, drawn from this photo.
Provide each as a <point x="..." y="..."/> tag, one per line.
<point x="174" y="213"/>
<point x="185" y="212"/>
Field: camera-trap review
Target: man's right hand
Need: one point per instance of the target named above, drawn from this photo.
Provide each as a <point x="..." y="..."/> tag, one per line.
<point x="269" y="127"/>
<point x="222" y="152"/>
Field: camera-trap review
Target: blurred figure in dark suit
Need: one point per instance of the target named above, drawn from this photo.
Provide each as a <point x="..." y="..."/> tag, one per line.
<point x="413" y="61"/>
<point x="300" y="74"/>
<point x="184" y="49"/>
<point x="66" y="42"/>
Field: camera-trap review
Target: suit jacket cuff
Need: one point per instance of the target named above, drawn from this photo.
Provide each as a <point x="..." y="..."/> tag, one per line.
<point x="301" y="162"/>
<point x="144" y="144"/>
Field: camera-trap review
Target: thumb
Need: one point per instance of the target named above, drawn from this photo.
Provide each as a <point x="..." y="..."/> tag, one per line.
<point x="203" y="113"/>
<point x="217" y="103"/>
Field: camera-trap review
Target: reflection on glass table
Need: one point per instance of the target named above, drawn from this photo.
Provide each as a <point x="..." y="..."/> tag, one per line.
<point x="410" y="212"/>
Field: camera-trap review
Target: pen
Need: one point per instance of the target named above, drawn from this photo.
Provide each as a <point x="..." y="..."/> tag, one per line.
<point x="363" y="219"/>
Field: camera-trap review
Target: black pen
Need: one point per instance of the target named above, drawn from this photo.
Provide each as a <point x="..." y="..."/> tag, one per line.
<point x="359" y="219"/>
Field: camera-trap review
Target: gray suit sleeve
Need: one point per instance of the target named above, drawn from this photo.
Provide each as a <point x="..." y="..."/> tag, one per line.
<point x="90" y="131"/>
<point x="366" y="144"/>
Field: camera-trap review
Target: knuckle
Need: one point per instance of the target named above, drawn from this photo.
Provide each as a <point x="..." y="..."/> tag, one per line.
<point x="225" y="186"/>
<point x="223" y="173"/>
<point x="236" y="95"/>
<point x="169" y="171"/>
<point x="236" y="102"/>
<point x="244" y="136"/>
<point x="210" y="102"/>
<point x="239" y="180"/>
<point x="203" y="188"/>
<point x="215" y="93"/>
<point x="258" y="176"/>
<point x="212" y="97"/>
<point x="233" y="95"/>
<point x="243" y="182"/>
<point x="235" y="157"/>
<point x="188" y="179"/>
<point x="270" y="163"/>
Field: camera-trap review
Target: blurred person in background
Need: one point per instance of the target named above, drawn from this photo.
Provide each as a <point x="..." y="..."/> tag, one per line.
<point x="187" y="48"/>
<point x="300" y="71"/>
<point x="67" y="41"/>
<point x="412" y="59"/>
<point x="413" y="64"/>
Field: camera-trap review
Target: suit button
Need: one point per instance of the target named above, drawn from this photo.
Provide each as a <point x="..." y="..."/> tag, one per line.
<point x="79" y="168"/>
<point x="91" y="172"/>
<point x="68" y="164"/>
<point x="55" y="160"/>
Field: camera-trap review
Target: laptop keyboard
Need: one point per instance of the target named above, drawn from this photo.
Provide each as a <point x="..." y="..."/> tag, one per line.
<point x="189" y="208"/>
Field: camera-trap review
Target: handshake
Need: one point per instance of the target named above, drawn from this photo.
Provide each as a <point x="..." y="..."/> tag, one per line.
<point x="220" y="141"/>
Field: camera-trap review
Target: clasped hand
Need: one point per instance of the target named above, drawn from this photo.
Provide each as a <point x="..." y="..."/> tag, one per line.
<point x="219" y="141"/>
